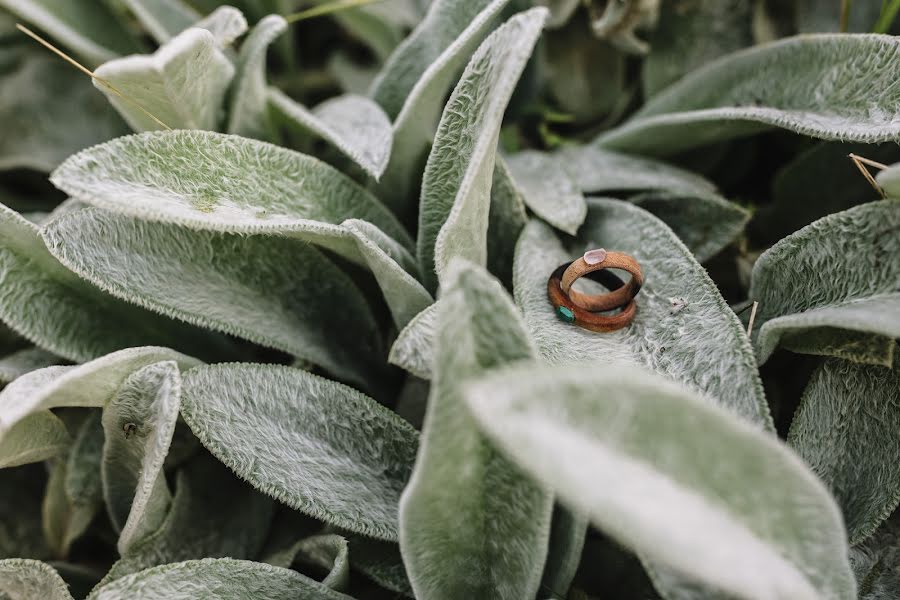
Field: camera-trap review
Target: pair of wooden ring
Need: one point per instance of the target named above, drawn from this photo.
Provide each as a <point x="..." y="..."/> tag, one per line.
<point x="581" y="309"/>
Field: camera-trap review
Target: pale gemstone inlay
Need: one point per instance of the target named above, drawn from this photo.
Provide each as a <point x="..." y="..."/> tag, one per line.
<point x="593" y="257"/>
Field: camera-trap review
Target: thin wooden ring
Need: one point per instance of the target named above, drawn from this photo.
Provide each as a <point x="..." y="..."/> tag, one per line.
<point x="573" y="313"/>
<point x="596" y="260"/>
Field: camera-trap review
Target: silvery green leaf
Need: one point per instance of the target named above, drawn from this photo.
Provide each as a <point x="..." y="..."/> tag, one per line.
<point x="355" y="125"/>
<point x="83" y="483"/>
<point x="506" y="218"/>
<point x="845" y="429"/>
<point x="841" y="89"/>
<point x="248" y="112"/>
<point x="413" y="350"/>
<point x="705" y="222"/>
<point x="64" y="522"/>
<point x="220" y="578"/>
<point x="274" y="291"/>
<point x="455" y="202"/>
<point x="414" y="85"/>
<point x="284" y="193"/>
<point x="36" y="437"/>
<point x="138" y="423"/>
<point x="213" y="514"/>
<point x="734" y="509"/>
<point x="599" y="170"/>
<point x="875" y="563"/>
<point x="163" y="19"/>
<point x="471" y="524"/>
<point x="86" y="27"/>
<point x="548" y="189"/>
<point x="24" y="361"/>
<point x="39" y="92"/>
<point x="225" y="23"/>
<point x="182" y="84"/>
<point x="316" y="445"/>
<point x="689" y="36"/>
<point x="21" y="534"/>
<point x="837" y="275"/>
<point x="23" y="579"/>
<point x="567" y="533"/>
<point x="327" y="551"/>
<point x="683" y="329"/>
<point x="889" y="180"/>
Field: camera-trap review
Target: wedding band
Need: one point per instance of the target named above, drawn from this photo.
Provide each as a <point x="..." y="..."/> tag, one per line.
<point x="597" y="260"/>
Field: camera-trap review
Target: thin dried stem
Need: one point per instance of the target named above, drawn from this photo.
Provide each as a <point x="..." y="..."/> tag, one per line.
<point x="752" y="318"/>
<point x="326" y="9"/>
<point x="89" y="73"/>
<point x="860" y="163"/>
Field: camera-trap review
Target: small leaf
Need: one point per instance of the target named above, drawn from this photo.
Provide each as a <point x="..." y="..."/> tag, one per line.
<point x="182" y="84"/>
<point x="316" y="445"/>
<point x="889" y="180"/>
<point x="22" y="579"/>
<point x="506" y="218"/>
<point x="225" y="23"/>
<point x="63" y="521"/>
<point x="841" y="88"/>
<point x="567" y="534"/>
<point x="36" y="437"/>
<point x="353" y="124"/>
<point x="845" y="429"/>
<point x="220" y="578"/>
<point x="471" y="524"/>
<point x="163" y="19"/>
<point x="612" y="445"/>
<point x="453" y="213"/>
<point x="83" y="483"/>
<point x="328" y="551"/>
<point x="834" y="276"/>
<point x="548" y="189"/>
<point x="413" y="349"/>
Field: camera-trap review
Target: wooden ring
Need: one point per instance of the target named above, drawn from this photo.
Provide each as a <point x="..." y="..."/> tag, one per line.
<point x="596" y="260"/>
<point x="571" y="313"/>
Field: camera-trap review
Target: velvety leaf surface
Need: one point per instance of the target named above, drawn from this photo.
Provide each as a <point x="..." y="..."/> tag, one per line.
<point x="63" y="521"/>
<point x="567" y="534"/>
<point x="846" y="430"/>
<point x="163" y="19"/>
<point x="506" y="218"/>
<point x="355" y="125"/>
<point x="422" y="100"/>
<point x="86" y="27"/>
<point x="841" y="88"/>
<point x="220" y="578"/>
<point x="225" y="23"/>
<point x="36" y="437"/>
<point x="471" y="524"/>
<point x="455" y="202"/>
<point x="683" y="329"/>
<point x="413" y="349"/>
<point x="889" y="180"/>
<point x="733" y="508"/>
<point x="313" y="444"/>
<point x="138" y="423"/>
<point x="270" y="290"/>
<point x="22" y="579"/>
<point x="840" y="274"/>
<point x="875" y="563"/>
<point x="548" y="189"/>
<point x="182" y="84"/>
<point x="24" y="361"/>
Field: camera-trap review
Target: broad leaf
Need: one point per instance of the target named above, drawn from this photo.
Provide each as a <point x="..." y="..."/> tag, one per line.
<point x="453" y="213"/>
<point x="846" y="430"/>
<point x="271" y="290"/>
<point x="734" y="508"/>
<point x="683" y="328"/>
<point x="832" y="287"/>
<point x="413" y="87"/>
<point x="548" y="189"/>
<point x="25" y="361"/>
<point x="220" y="578"/>
<point x="88" y="28"/>
<point x="316" y="445"/>
<point x="138" y="423"/>
<point x="36" y="437"/>
<point x="22" y="579"/>
<point x="182" y="84"/>
<point x="840" y="88"/>
<point x="163" y="19"/>
<point x="471" y="524"/>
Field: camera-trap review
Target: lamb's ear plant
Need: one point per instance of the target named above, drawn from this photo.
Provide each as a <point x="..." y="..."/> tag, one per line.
<point x="274" y="315"/>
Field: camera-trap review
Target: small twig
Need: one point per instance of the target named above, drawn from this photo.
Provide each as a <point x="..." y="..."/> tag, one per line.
<point x="88" y="72"/>
<point x="326" y="9"/>
<point x="860" y="161"/>
<point x="752" y="318"/>
<point x="845" y="15"/>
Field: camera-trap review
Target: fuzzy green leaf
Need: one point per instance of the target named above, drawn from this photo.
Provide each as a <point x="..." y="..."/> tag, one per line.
<point x="87" y="27"/>
<point x="271" y="290"/>
<point x="841" y="88"/>
<point x="64" y="521"/>
<point x="889" y="180"/>
<point x="471" y="524"/>
<point x="567" y="534"/>
<point x="683" y="329"/>
<point x="734" y="509"/>
<point x="22" y="579"/>
<point x="453" y="213"/>
<point x="25" y="361"/>
<point x="220" y="578"/>
<point x="548" y="189"/>
<point x="832" y="287"/>
<point x="413" y="349"/>
<point x="846" y="430"/>
<point x="182" y="84"/>
<point x="163" y="19"/>
<point x="316" y="445"/>
<point x="506" y="218"/>
<point x="876" y="563"/>
<point x="225" y="23"/>
<point x="38" y="436"/>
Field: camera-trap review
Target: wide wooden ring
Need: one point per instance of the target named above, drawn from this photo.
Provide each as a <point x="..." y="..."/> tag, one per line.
<point x="597" y="260"/>
<point x="571" y="313"/>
